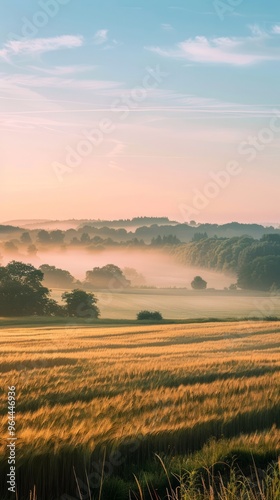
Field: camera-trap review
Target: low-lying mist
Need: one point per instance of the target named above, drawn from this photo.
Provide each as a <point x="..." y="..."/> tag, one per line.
<point x="159" y="269"/>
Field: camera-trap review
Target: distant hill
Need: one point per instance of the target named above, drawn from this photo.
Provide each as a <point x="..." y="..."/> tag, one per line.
<point x="186" y="233"/>
<point x="49" y="224"/>
<point x="9" y="229"/>
<point x="142" y="228"/>
<point x="45" y="224"/>
<point x="24" y="222"/>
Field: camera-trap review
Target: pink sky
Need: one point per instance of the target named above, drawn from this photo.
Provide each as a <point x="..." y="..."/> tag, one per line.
<point x="151" y="168"/>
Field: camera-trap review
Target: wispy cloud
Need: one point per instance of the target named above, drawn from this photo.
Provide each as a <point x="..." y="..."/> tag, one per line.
<point x="276" y="29"/>
<point x="25" y="87"/>
<point x="64" y="70"/>
<point x="24" y="122"/>
<point x="35" y="81"/>
<point x="186" y="9"/>
<point x="257" y="31"/>
<point x="112" y="44"/>
<point x="100" y="37"/>
<point x="37" y="46"/>
<point x="167" y="27"/>
<point x="237" y="51"/>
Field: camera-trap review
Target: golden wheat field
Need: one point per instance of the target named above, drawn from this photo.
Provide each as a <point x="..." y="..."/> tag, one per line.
<point x="115" y="396"/>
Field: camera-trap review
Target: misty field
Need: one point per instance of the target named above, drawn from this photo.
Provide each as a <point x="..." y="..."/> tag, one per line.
<point x="96" y="404"/>
<point x="184" y="304"/>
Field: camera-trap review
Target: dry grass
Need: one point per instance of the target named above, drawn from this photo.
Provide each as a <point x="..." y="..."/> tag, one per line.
<point x="150" y="389"/>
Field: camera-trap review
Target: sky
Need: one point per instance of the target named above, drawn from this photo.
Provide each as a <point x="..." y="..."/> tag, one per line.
<point x="114" y="109"/>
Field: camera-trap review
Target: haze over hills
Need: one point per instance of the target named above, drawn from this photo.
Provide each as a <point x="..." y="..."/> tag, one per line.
<point x="44" y="223"/>
<point x="165" y="252"/>
<point x="75" y="223"/>
<point x="143" y="229"/>
<point x="134" y="223"/>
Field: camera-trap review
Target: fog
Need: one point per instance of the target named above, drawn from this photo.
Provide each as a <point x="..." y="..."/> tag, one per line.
<point x="159" y="269"/>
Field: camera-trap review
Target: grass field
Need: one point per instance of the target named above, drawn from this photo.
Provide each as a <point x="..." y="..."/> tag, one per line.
<point x="182" y="303"/>
<point x="95" y="404"/>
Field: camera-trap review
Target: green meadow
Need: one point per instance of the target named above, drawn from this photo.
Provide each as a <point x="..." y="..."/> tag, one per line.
<point x="176" y="303"/>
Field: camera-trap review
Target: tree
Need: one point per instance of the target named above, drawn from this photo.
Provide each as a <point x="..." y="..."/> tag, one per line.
<point x="149" y="315"/>
<point x="199" y="237"/>
<point x="54" y="309"/>
<point x="57" y="278"/>
<point x="109" y="276"/>
<point x="260" y="274"/>
<point x="85" y="238"/>
<point x="198" y="283"/>
<point x="10" y="247"/>
<point x="81" y="304"/>
<point x="57" y="236"/>
<point x="32" y="249"/>
<point x="25" y="238"/>
<point x="43" y="237"/>
<point x="271" y="238"/>
<point x="157" y="242"/>
<point x="259" y="264"/>
<point x="136" y="279"/>
<point x="22" y="292"/>
<point x="24" y="274"/>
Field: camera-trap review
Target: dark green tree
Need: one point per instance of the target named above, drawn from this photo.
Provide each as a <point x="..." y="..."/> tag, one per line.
<point x="260" y="274"/>
<point x="22" y="292"/>
<point x="81" y="304"/>
<point x="198" y="283"/>
<point x="199" y="236"/>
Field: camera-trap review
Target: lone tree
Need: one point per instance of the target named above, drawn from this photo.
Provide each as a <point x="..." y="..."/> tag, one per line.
<point x="198" y="283"/>
<point x="81" y="304"/>
<point x="149" y="315"/>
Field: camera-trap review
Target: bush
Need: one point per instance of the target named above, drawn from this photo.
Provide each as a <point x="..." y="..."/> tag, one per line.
<point x="149" y="315"/>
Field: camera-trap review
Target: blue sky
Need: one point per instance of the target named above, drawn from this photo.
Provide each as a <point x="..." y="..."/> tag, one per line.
<point x="181" y="87"/>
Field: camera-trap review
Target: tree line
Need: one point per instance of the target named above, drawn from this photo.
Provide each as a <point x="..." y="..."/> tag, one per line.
<point x="256" y="263"/>
<point x="109" y="276"/>
<point x="22" y="293"/>
<point x="101" y="234"/>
